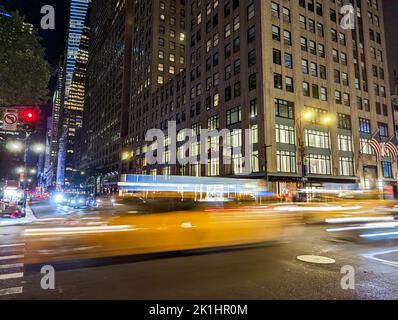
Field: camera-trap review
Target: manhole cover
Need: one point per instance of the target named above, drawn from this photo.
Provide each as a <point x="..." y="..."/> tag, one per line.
<point x="316" y="259"/>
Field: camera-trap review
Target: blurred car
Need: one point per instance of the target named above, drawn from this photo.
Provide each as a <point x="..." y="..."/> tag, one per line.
<point x="320" y="212"/>
<point x="10" y="212"/>
<point x="105" y="201"/>
<point x="135" y="233"/>
<point x="41" y="196"/>
<point x="91" y="202"/>
<point x="65" y="199"/>
<point x="81" y="201"/>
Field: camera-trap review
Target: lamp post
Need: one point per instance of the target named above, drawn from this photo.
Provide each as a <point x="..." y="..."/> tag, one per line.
<point x="38" y="148"/>
<point x="307" y="116"/>
<point x="266" y="164"/>
<point x="23" y="146"/>
<point x="14" y="146"/>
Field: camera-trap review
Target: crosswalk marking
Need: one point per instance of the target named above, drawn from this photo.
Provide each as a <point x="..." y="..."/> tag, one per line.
<point x="12" y="257"/>
<point x="11" y="266"/>
<point x="11" y="276"/>
<point x="11" y="270"/>
<point x="10" y="291"/>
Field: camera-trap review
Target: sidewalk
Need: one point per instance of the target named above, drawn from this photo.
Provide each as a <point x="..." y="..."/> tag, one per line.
<point x="29" y="218"/>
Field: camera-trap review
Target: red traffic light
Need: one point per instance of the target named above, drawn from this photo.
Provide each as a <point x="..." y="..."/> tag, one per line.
<point x="29" y="115"/>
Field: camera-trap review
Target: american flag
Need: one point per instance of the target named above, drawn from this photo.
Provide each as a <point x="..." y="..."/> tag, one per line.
<point x="392" y="146"/>
<point x="376" y="144"/>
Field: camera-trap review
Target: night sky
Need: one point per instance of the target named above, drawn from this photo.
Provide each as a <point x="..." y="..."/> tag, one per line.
<point x="53" y="40"/>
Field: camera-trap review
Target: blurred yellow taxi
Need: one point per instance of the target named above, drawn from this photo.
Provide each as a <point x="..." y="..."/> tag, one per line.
<point x="321" y="212"/>
<point x="131" y="233"/>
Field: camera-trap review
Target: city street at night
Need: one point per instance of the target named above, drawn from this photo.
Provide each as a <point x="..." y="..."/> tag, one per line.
<point x="266" y="272"/>
<point x="234" y="152"/>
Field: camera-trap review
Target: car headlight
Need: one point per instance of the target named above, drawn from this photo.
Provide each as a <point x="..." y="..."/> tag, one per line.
<point x="59" y="198"/>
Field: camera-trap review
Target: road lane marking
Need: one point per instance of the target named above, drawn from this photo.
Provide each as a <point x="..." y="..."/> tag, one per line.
<point x="12" y="245"/>
<point x="373" y="256"/>
<point x="11" y="276"/>
<point x="11" y="291"/>
<point x="12" y="266"/>
<point x="12" y="257"/>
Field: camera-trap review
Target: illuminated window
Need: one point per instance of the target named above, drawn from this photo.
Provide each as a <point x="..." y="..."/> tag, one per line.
<point x="346" y="166"/>
<point x="286" y="161"/>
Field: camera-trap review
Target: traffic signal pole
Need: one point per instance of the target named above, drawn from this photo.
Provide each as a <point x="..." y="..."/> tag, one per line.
<point x="26" y="151"/>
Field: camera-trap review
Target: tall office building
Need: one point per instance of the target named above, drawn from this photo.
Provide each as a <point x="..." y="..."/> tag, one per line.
<point x="73" y="90"/>
<point x="74" y="107"/>
<point x="108" y="86"/>
<point x="48" y="176"/>
<point x="390" y="9"/>
<point x="309" y="89"/>
<point x="77" y="19"/>
<point x="56" y="109"/>
<point x="159" y="53"/>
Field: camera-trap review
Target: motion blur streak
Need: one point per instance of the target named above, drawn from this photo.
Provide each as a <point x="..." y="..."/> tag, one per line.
<point x="325" y="208"/>
<point x="84" y="230"/>
<point x="375" y="235"/>
<point x="366" y="226"/>
<point x="359" y="220"/>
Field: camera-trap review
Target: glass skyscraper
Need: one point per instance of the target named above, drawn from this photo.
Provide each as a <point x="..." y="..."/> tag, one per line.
<point x="70" y="118"/>
<point x="78" y="14"/>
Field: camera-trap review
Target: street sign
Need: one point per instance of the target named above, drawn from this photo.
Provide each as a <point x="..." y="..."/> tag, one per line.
<point x="10" y="120"/>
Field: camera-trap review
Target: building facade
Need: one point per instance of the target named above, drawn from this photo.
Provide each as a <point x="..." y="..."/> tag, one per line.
<point x="107" y="88"/>
<point x="159" y="53"/>
<point x="50" y="169"/>
<point x="311" y="90"/>
<point x="74" y="108"/>
<point x="390" y="9"/>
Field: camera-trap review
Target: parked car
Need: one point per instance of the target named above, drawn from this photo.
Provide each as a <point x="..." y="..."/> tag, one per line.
<point x="10" y="212"/>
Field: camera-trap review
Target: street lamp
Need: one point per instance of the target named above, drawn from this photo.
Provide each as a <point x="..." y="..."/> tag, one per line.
<point x="327" y="120"/>
<point x="14" y="146"/>
<point x="33" y="171"/>
<point x="308" y="115"/>
<point x="20" y="170"/>
<point x="126" y="155"/>
<point x="38" y="148"/>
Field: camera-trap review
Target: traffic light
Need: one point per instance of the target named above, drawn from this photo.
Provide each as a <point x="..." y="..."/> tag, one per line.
<point x="29" y="118"/>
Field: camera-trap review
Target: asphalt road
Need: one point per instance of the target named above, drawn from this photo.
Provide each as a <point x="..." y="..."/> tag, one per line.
<point x="268" y="272"/>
